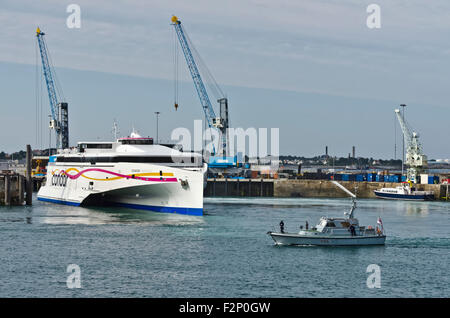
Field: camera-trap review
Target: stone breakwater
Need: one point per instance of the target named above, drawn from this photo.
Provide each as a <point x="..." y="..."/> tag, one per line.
<point x="304" y="188"/>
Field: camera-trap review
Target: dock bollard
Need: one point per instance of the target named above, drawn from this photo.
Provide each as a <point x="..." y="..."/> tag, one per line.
<point x="7" y="190"/>
<point x="20" y="188"/>
<point x="29" y="181"/>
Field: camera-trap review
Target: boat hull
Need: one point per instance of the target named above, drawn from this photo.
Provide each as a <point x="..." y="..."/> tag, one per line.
<point x="399" y="196"/>
<point x="138" y="186"/>
<point x="295" y="239"/>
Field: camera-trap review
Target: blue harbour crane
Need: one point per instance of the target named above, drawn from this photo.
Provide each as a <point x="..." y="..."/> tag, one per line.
<point x="219" y="122"/>
<point x="59" y="109"/>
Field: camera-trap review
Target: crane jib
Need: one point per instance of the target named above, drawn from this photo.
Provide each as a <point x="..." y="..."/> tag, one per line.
<point x="59" y="110"/>
<point x="48" y="76"/>
<point x="221" y="123"/>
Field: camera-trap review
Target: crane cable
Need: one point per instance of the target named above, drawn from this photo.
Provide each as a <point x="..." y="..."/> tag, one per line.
<point x="58" y="87"/>
<point x="36" y="92"/>
<point x="38" y="101"/>
<point x="175" y="69"/>
<point x="204" y="70"/>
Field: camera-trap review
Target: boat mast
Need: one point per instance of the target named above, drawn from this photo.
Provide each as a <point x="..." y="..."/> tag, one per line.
<point x="353" y="196"/>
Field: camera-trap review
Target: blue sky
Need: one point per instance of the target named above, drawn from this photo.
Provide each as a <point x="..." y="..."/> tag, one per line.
<point x="311" y="68"/>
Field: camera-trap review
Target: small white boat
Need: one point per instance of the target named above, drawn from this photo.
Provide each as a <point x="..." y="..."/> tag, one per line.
<point x="404" y="192"/>
<point x="334" y="231"/>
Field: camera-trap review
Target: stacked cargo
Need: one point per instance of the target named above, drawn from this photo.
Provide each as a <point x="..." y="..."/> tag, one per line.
<point x="433" y="179"/>
<point x="372" y="177"/>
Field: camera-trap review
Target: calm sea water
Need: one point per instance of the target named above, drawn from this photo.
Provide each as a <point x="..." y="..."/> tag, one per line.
<point x="227" y="253"/>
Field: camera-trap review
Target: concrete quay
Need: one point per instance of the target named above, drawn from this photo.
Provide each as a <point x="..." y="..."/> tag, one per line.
<point x="285" y="188"/>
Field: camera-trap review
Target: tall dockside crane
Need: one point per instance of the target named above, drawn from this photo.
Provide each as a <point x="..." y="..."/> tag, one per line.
<point x="221" y="122"/>
<point x="60" y="119"/>
<point x="416" y="160"/>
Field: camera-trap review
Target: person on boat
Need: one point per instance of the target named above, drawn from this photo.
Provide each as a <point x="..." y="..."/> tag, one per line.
<point x="282" y="226"/>
<point x="352" y="230"/>
<point x="306" y="225"/>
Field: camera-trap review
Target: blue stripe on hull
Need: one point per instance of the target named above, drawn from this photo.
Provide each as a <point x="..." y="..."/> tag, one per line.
<point x="163" y="209"/>
<point x="59" y="201"/>
<point x="403" y="196"/>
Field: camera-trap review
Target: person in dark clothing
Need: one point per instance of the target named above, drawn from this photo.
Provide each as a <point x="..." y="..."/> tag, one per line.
<point x="282" y="226"/>
<point x="352" y="230"/>
<point x="306" y="225"/>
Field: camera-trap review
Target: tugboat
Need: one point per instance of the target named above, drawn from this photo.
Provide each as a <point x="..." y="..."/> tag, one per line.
<point x="404" y="192"/>
<point x="334" y="231"/>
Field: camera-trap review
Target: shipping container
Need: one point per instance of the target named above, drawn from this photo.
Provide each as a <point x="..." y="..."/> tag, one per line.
<point x="423" y="179"/>
<point x="433" y="179"/>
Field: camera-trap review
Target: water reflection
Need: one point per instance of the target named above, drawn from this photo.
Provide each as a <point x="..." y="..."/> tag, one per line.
<point x="57" y="214"/>
<point x="413" y="209"/>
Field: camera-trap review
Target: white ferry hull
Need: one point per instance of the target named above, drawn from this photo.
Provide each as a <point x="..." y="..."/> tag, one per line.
<point x="141" y="186"/>
<point x="294" y="239"/>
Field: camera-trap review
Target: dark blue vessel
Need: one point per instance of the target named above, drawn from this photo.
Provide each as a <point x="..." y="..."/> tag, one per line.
<point x="404" y="193"/>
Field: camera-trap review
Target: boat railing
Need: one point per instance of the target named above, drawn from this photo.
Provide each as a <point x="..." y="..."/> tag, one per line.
<point x="423" y="193"/>
<point x="369" y="231"/>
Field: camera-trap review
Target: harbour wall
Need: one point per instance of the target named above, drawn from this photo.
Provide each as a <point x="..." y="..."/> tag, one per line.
<point x="239" y="188"/>
<point x="305" y="188"/>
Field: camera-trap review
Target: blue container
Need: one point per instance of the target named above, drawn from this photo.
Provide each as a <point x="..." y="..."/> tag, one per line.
<point x="379" y="178"/>
<point x="345" y="177"/>
<point x="395" y="178"/>
<point x="403" y="178"/>
<point x="359" y="177"/>
<point x="433" y="179"/>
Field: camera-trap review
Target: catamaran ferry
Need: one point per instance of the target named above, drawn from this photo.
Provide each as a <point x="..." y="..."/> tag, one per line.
<point x="132" y="172"/>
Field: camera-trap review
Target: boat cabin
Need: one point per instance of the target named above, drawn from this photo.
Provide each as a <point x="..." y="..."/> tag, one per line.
<point x="336" y="223"/>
